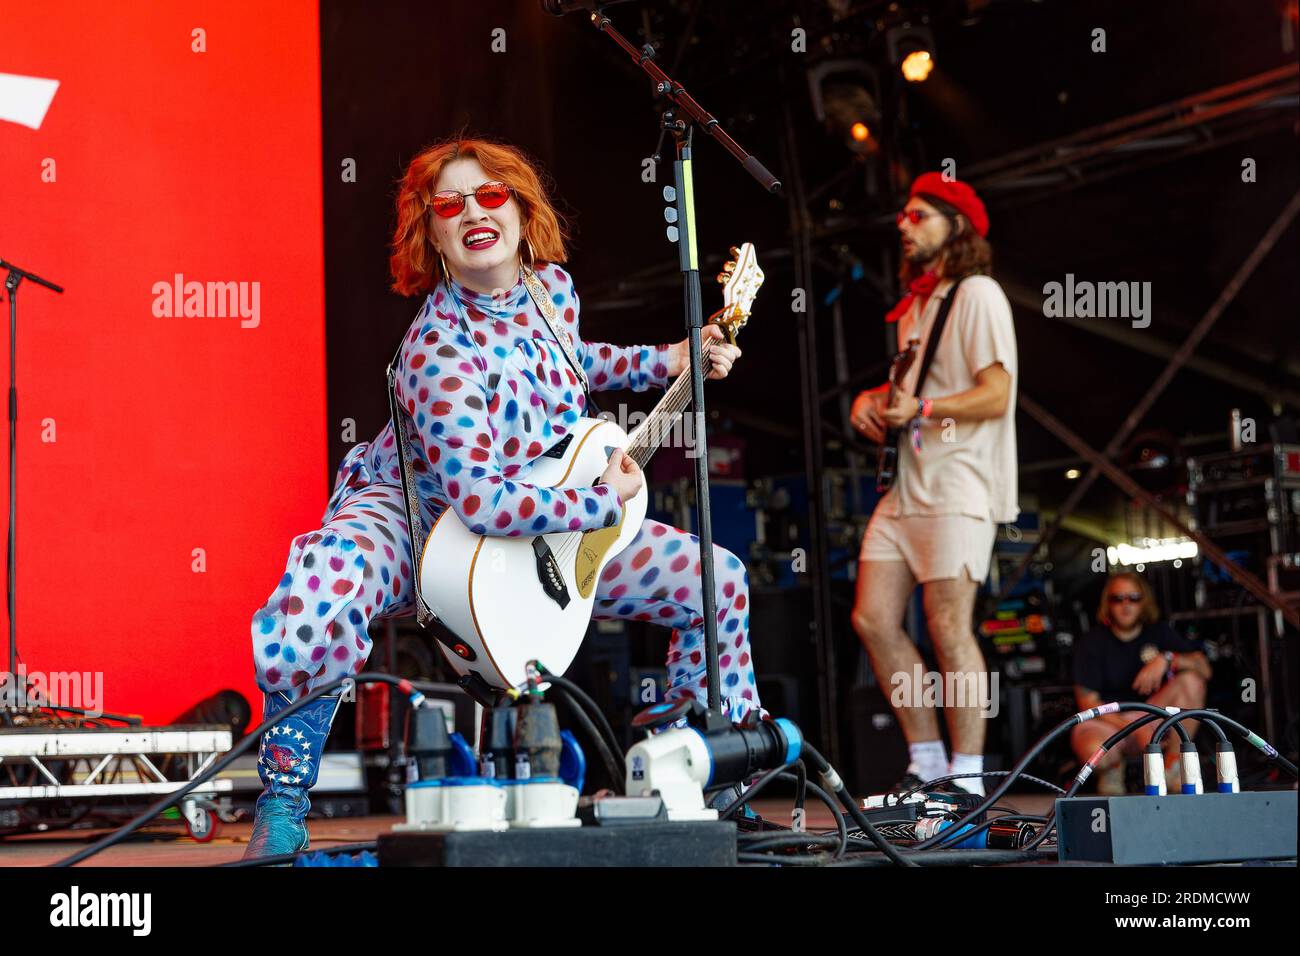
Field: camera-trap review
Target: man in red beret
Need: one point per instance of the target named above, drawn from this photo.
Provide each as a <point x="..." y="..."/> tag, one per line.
<point x="956" y="477"/>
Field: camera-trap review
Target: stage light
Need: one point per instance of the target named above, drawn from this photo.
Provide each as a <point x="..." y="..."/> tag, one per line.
<point x="1151" y="550"/>
<point x="916" y="66"/>
<point x="842" y="98"/>
<point x="1072" y="474"/>
<point x="851" y="115"/>
<point x="911" y="49"/>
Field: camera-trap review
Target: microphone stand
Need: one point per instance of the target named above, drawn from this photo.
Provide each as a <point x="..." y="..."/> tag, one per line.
<point x="681" y="216"/>
<point x="16" y="276"/>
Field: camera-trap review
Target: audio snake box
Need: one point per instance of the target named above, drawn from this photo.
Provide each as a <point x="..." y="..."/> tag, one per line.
<point x="1178" y="828"/>
<point x="700" y="843"/>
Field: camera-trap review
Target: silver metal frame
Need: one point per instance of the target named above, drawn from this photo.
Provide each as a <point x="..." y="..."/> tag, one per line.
<point x="111" y="762"/>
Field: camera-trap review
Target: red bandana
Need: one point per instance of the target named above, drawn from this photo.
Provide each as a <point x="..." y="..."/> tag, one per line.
<point x="922" y="285"/>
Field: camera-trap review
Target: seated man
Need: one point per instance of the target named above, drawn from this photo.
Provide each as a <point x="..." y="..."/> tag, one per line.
<point x="1131" y="656"/>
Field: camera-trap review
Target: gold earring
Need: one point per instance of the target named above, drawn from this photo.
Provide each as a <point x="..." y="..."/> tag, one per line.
<point x="442" y="266"/>
<point x="531" y="258"/>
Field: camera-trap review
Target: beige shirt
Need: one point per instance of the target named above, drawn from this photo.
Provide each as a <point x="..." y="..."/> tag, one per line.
<point x="963" y="467"/>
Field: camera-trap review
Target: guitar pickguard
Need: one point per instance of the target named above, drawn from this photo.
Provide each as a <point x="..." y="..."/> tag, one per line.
<point x="591" y="552"/>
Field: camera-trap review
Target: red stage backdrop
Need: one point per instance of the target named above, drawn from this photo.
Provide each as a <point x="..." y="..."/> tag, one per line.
<point x="171" y="434"/>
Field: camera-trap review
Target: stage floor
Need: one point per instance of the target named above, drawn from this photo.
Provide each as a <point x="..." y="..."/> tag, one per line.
<point x="170" y="846"/>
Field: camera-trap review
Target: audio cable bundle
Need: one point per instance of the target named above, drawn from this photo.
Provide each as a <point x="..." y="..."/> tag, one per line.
<point x="529" y="774"/>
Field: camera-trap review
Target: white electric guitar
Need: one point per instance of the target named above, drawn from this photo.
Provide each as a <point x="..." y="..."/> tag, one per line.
<point x="508" y="601"/>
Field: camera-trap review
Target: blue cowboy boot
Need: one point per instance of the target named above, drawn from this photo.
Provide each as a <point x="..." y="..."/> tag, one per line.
<point x="288" y="762"/>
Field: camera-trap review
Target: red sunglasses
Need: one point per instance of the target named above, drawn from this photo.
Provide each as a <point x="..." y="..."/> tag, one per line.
<point x="914" y="216"/>
<point x="450" y="203"/>
<point x="1132" y="597"/>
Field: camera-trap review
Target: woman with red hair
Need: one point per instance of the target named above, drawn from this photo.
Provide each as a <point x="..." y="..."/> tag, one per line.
<point x="486" y="390"/>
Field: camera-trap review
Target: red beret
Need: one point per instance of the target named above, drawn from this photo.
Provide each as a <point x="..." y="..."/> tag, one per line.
<point x="956" y="194"/>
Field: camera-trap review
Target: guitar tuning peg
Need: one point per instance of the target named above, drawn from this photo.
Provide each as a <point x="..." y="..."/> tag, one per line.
<point x="722" y="278"/>
<point x="735" y="251"/>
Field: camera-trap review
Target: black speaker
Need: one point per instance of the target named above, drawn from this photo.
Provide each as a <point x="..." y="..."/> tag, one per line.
<point x="879" y="748"/>
<point x="226" y="707"/>
<point x="785" y="657"/>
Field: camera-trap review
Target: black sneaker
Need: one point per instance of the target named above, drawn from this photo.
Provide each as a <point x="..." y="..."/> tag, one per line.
<point x="910" y="781"/>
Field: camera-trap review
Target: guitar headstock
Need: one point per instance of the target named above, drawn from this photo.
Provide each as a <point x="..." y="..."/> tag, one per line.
<point x="902" y="363"/>
<point x="741" y="278"/>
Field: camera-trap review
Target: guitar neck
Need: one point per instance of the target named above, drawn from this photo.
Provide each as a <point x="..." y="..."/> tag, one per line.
<point x="650" y="434"/>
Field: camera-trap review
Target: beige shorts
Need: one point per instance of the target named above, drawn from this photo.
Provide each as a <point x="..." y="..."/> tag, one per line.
<point x="935" y="547"/>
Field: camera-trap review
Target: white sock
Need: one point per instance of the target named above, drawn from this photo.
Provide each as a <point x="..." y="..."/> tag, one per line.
<point x="929" y="759"/>
<point x="969" y="763"/>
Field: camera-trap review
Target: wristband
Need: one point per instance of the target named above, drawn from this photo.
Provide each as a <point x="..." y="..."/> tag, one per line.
<point x="923" y="407"/>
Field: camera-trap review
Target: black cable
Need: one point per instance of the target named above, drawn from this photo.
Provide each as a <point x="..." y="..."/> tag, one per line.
<point x="593" y="710"/>
<point x="1107" y="746"/>
<point x="759" y="784"/>
<point x="952" y="835"/>
<point x="952" y="858"/>
<point x="771" y="860"/>
<point x="612" y="760"/>
<point x="842" y="829"/>
<point x="1211" y="716"/>
<point x="1081" y="777"/>
<point x="955" y="833"/>
<point x="252" y="738"/>
<point x="1069" y="723"/>
<point x="986" y="773"/>
<point x="785" y="841"/>
<point x="834" y="783"/>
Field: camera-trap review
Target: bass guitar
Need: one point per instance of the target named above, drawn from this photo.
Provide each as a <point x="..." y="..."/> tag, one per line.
<point x="887" y="463"/>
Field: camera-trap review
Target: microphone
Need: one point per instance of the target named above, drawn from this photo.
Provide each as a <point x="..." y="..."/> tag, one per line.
<point x="558" y="8"/>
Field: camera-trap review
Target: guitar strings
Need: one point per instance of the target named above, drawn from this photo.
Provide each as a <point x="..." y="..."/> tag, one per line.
<point x="674" y="401"/>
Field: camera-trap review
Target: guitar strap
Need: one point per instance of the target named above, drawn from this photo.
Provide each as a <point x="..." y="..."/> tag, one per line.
<point x="542" y="299"/>
<point x="932" y="344"/>
<point x="410" y="497"/>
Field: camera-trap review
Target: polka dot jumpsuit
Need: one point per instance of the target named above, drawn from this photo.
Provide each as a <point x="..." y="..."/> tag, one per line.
<point x="488" y="390"/>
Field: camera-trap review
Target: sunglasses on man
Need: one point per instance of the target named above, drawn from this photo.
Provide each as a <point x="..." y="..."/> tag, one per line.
<point x="1131" y="597"/>
<point x="914" y="216"/>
